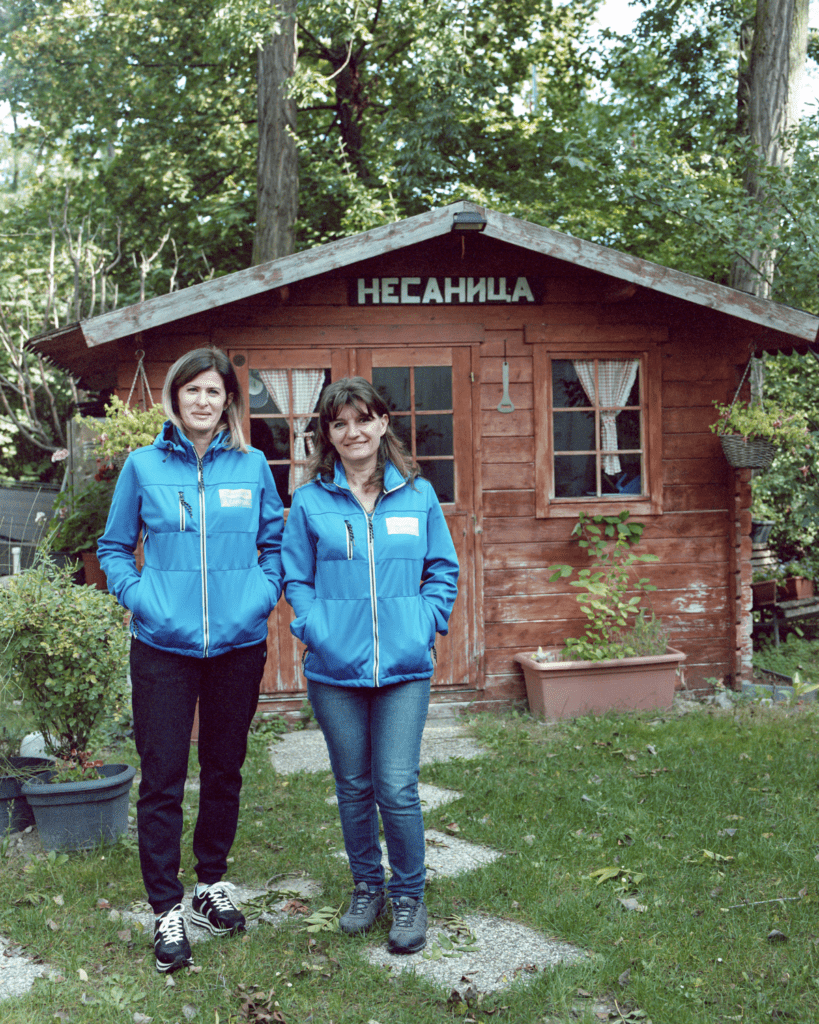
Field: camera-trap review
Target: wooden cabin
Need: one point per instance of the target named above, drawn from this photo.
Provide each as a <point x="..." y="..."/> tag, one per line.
<point x="489" y="337"/>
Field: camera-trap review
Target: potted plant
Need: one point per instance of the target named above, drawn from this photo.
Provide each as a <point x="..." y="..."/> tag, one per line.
<point x="623" y="659"/>
<point x="798" y="581"/>
<point x="751" y="434"/>
<point x="764" y="586"/>
<point x="123" y="429"/>
<point x="64" y="648"/>
<point x="80" y="515"/>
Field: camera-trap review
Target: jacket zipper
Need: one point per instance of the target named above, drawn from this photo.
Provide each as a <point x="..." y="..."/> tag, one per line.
<point x="373" y="594"/>
<point x="203" y="551"/>
<point x="350" y="538"/>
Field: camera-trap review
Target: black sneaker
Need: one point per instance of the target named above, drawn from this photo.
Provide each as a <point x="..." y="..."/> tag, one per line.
<point x="365" y="909"/>
<point x="216" y="911"/>
<point x="171" y="945"/>
<point x="409" y="925"/>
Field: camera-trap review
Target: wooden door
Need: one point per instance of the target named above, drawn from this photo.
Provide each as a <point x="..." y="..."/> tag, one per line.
<point x="428" y="390"/>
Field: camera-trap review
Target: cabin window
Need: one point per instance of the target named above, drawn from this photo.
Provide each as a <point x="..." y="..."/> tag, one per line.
<point x="594" y="416"/>
<point x="282" y="424"/>
<point x="597" y="422"/>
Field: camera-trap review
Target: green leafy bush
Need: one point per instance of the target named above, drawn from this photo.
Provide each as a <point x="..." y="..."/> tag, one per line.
<point x="617" y="626"/>
<point x="63" y="648"/>
<point x="752" y="420"/>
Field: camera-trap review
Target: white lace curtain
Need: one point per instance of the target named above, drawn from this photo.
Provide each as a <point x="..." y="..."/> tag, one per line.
<point x="307" y="385"/>
<point x="615" y="378"/>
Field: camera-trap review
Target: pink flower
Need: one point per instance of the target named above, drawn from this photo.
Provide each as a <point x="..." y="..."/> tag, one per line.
<point x="804" y="471"/>
<point x="59" y="455"/>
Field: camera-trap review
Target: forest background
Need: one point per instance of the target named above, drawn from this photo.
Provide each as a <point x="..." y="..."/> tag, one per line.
<point x="147" y="145"/>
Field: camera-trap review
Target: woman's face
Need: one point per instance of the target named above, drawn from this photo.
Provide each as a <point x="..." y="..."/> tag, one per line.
<point x="355" y="434"/>
<point x="202" y="403"/>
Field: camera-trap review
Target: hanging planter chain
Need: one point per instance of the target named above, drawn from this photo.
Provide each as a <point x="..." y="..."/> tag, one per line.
<point x="142" y="377"/>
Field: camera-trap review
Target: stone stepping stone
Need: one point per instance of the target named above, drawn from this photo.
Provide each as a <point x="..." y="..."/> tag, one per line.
<point x="489" y="954"/>
<point x="274" y="912"/>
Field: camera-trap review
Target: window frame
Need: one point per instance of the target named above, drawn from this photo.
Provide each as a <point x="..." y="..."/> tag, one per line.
<point x="546" y="504"/>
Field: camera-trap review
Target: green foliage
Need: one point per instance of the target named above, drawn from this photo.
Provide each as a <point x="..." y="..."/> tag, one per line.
<point x="64" y="648"/>
<point x="755" y="420"/>
<point x="796" y="654"/>
<point x="788" y="492"/>
<point x="124" y="428"/>
<point x="81" y="513"/>
<point x="617" y="627"/>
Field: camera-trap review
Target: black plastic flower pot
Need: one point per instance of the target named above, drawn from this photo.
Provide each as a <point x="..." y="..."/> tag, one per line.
<point x="15" y="812"/>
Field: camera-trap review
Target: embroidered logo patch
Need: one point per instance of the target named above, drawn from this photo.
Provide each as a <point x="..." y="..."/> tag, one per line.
<point x="402" y="524"/>
<point x="235" y="498"/>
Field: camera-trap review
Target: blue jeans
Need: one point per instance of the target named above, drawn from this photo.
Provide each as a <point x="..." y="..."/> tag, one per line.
<point x="374" y="740"/>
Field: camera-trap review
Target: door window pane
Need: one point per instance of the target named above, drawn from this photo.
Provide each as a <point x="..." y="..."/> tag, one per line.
<point x="433" y="435"/>
<point x="393" y="384"/>
<point x="433" y="387"/>
<point x="442" y="477"/>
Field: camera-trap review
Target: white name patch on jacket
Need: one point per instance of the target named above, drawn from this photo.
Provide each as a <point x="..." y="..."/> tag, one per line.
<point x="235" y="497"/>
<point x="402" y="524"/>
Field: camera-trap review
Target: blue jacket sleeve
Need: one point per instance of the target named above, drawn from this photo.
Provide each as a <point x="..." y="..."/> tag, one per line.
<point x="299" y="565"/>
<point x="116" y="547"/>
<point x="439" y="581"/>
<point x="271" y="525"/>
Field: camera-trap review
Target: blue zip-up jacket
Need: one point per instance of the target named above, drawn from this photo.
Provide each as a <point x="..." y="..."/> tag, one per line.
<point x="212" y="532"/>
<point x="369" y="591"/>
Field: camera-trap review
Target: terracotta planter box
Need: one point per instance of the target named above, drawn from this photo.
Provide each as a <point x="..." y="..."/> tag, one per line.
<point x="797" y="587"/>
<point x="565" y="689"/>
<point x="764" y="593"/>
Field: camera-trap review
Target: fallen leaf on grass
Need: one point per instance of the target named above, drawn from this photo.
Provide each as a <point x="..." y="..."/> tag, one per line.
<point x="141" y="1018"/>
<point x="776" y="936"/>
<point x="52" y="925"/>
<point x="625" y="977"/>
<point x="631" y="904"/>
<point x="189" y="1011"/>
<point x="81" y="974"/>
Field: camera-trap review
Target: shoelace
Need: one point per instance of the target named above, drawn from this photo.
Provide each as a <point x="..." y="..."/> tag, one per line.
<point x="171" y="927"/>
<point x="403" y="914"/>
<point x="361" y="900"/>
<point x="220" y="898"/>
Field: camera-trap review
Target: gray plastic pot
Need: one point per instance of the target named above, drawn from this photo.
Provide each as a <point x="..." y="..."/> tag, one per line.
<point x="15" y="813"/>
<point x="81" y="815"/>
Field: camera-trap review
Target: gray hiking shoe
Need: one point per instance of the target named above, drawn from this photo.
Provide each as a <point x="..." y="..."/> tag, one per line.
<point x="365" y="909"/>
<point x="409" y="925"/>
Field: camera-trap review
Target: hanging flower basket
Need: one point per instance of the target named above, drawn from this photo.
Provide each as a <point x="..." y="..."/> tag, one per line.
<point x="747" y="452"/>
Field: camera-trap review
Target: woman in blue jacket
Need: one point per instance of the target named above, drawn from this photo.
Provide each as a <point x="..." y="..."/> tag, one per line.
<point x="211" y="523"/>
<point x="371" y="573"/>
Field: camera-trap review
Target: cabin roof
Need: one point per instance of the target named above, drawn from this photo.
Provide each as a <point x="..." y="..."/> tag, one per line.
<point x="783" y="327"/>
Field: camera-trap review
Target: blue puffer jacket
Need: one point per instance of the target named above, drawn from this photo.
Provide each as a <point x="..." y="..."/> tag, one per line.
<point x="369" y="592"/>
<point x="212" y="541"/>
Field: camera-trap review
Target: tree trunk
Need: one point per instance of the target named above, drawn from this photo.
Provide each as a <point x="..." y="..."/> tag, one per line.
<point x="769" y="83"/>
<point x="277" y="182"/>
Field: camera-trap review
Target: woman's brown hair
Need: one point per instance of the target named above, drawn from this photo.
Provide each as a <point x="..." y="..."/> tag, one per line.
<point x="359" y="393"/>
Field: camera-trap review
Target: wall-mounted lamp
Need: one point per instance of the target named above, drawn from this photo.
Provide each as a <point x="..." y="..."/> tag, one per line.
<point x="468" y="220"/>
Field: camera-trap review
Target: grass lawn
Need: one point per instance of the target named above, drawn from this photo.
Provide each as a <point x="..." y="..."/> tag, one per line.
<point x="679" y="850"/>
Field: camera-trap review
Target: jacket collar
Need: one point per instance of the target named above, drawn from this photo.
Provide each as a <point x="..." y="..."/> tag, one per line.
<point x="392" y="478"/>
<point x="171" y="439"/>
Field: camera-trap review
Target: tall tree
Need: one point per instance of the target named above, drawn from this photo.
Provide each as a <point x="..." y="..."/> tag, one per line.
<point x="770" y="79"/>
<point x="277" y="178"/>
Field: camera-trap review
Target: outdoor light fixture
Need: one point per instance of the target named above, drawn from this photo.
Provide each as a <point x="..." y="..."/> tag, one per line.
<point x="469" y="220"/>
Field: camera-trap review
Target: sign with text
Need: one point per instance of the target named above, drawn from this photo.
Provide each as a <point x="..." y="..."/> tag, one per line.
<point x="444" y="291"/>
